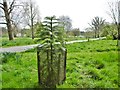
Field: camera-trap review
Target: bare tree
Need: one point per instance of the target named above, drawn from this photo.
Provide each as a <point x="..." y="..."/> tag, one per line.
<point x="31" y="14"/>
<point x="114" y="14"/>
<point x="66" y="22"/>
<point x="7" y="11"/>
<point x="97" y="23"/>
<point x="16" y="18"/>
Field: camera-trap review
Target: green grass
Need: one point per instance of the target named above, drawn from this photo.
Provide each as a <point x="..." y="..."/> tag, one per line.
<point x="17" y="42"/>
<point x="19" y="70"/>
<point x="27" y="41"/>
<point x="89" y="65"/>
<point x="92" y="64"/>
<point x="74" y="38"/>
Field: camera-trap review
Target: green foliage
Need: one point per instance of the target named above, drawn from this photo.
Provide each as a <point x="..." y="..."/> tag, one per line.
<point x="109" y="37"/>
<point x="51" y="32"/>
<point x="38" y="27"/>
<point x="50" y="35"/>
<point x="89" y="65"/>
<point x="109" y="30"/>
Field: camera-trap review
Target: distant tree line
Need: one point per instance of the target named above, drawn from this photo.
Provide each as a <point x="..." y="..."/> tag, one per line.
<point x="23" y="18"/>
<point x="100" y="28"/>
<point x="17" y="13"/>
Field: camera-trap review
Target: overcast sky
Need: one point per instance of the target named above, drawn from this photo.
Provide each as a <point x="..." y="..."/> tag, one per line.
<point x="80" y="11"/>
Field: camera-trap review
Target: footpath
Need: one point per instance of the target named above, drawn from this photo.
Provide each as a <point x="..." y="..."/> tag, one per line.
<point x="27" y="47"/>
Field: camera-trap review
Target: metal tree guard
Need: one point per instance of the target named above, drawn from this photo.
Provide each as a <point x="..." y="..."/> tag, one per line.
<point x="51" y="65"/>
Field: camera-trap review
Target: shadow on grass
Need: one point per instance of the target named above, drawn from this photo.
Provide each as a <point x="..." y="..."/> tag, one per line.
<point x="106" y="50"/>
<point x="40" y="86"/>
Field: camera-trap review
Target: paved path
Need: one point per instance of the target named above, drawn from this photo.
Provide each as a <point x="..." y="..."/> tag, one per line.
<point x="27" y="47"/>
<point x="18" y="48"/>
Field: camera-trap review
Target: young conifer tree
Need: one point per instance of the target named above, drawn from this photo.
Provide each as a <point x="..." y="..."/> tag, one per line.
<point x="51" y="37"/>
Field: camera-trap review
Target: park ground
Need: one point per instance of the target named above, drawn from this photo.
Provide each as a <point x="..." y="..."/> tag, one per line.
<point x="91" y="64"/>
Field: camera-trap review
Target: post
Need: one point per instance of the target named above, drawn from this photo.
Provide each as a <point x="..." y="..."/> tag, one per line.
<point x="59" y="57"/>
<point x="48" y="67"/>
<point x="38" y="59"/>
<point x="65" y="64"/>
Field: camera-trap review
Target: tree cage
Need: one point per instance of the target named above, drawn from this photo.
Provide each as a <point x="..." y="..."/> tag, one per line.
<point x="51" y="65"/>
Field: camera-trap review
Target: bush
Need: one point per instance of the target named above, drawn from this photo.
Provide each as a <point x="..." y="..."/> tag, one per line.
<point x="109" y="37"/>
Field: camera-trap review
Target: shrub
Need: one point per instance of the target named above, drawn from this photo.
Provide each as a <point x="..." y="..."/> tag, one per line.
<point x="109" y="37"/>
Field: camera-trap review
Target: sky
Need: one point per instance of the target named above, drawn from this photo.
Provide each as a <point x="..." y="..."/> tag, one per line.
<point x="80" y="11"/>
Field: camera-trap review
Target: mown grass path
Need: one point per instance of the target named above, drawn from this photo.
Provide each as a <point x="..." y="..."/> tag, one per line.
<point x="27" y="47"/>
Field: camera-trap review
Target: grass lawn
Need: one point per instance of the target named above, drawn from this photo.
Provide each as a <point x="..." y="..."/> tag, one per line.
<point x="92" y="65"/>
<point x="17" y="42"/>
<point x="89" y="65"/>
<point x="74" y="38"/>
<point x="27" y="41"/>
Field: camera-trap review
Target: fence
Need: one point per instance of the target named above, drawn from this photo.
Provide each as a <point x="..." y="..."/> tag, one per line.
<point x="51" y="65"/>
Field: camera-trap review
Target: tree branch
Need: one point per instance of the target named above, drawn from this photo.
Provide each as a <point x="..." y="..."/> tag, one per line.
<point x="90" y="25"/>
<point x="11" y="7"/>
<point x="2" y="23"/>
<point x="33" y="16"/>
<point x="2" y="16"/>
<point x="2" y="7"/>
<point x="1" y="3"/>
<point x="113" y="11"/>
<point x="29" y="25"/>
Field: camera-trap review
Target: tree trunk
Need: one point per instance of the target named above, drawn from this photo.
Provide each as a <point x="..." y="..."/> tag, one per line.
<point x="95" y="32"/>
<point x="32" y="30"/>
<point x="118" y="31"/>
<point x="98" y="33"/>
<point x="119" y="20"/>
<point x="118" y="26"/>
<point x="7" y="16"/>
<point x="31" y="9"/>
